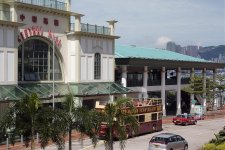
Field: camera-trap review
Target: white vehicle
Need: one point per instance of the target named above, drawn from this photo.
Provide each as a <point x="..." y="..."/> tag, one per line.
<point x="168" y="141"/>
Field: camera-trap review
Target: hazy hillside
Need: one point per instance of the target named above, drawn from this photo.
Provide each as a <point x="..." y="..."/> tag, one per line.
<point x="212" y="52"/>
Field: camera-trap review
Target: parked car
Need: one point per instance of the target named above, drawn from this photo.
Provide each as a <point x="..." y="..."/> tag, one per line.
<point x="184" y="119"/>
<point x="199" y="116"/>
<point x="168" y="141"/>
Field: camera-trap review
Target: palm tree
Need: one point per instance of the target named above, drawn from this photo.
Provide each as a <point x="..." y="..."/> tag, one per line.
<point x="119" y="122"/>
<point x="51" y="125"/>
<point x="212" y="89"/>
<point x="20" y="118"/>
<point x="26" y="111"/>
<point x="86" y="122"/>
<point x="26" y="117"/>
<point x="69" y="108"/>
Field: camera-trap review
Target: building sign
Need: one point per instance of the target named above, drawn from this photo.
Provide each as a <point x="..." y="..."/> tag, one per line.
<point x="38" y="31"/>
<point x="54" y="38"/>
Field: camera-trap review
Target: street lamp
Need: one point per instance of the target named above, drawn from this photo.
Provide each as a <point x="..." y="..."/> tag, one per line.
<point x="53" y="67"/>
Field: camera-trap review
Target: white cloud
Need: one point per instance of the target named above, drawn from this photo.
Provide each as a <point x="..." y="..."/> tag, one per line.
<point x="161" y="41"/>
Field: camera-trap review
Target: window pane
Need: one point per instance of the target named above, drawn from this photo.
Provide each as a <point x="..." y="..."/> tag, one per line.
<point x="154" y="116"/>
<point x="134" y="79"/>
<point x="141" y="118"/>
<point x="97" y="66"/>
<point x="35" y="62"/>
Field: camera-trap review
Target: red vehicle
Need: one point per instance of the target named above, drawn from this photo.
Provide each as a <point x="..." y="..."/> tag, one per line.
<point x="184" y="119"/>
<point x="148" y="114"/>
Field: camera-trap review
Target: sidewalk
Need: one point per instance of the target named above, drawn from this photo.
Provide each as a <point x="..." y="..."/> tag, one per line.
<point x="20" y="146"/>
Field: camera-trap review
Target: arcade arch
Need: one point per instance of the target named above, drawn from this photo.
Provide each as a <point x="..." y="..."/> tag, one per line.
<point x="35" y="61"/>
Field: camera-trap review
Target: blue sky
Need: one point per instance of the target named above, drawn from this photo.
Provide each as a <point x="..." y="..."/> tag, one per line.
<point x="151" y="23"/>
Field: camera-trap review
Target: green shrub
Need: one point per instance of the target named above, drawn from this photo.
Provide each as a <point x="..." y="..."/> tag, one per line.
<point x="221" y="146"/>
<point x="210" y="146"/>
<point x="213" y="141"/>
<point x="222" y="133"/>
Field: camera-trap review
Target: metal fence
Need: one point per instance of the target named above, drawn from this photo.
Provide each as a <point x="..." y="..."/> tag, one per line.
<point x="92" y="28"/>
<point x="46" y="3"/>
<point x="95" y="29"/>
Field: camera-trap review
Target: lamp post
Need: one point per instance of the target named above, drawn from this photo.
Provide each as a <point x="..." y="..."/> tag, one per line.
<point x="53" y="73"/>
<point x="53" y="67"/>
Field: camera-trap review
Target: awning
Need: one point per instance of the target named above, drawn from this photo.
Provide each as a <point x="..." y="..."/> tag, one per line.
<point x="11" y="92"/>
<point x="100" y="88"/>
<point x="45" y="90"/>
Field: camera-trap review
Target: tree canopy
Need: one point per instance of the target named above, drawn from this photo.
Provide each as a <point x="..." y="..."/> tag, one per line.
<point x="120" y="123"/>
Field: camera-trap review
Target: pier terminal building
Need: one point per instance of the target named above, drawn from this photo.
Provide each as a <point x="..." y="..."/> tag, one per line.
<point x="43" y="51"/>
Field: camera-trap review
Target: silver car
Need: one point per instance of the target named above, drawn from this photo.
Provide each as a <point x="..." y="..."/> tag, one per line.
<point x="168" y="141"/>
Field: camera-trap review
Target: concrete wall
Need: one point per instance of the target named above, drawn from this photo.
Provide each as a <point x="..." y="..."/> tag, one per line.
<point x="90" y="46"/>
<point x="8" y="55"/>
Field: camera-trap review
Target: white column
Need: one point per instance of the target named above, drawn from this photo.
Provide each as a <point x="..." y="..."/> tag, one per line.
<point x="178" y="90"/>
<point x="192" y="96"/>
<point x="214" y="81"/>
<point x="78" y="101"/>
<point x="163" y="89"/>
<point x="78" y="22"/>
<point x="111" y="98"/>
<point x="77" y="48"/>
<point x="112" y="26"/>
<point x="145" y="82"/>
<point x="68" y="4"/>
<point x="140" y="96"/>
<point x="13" y="13"/>
<point x="124" y="78"/>
<point x="204" y="88"/>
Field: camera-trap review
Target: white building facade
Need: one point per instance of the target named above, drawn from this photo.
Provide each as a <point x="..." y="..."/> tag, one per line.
<point x="32" y="31"/>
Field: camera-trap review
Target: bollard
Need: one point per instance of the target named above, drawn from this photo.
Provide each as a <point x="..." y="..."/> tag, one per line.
<point x="7" y="143"/>
<point x="37" y="137"/>
<point x="21" y="139"/>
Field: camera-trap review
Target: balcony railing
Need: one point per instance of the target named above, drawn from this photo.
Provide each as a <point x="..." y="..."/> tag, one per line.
<point x="5" y="15"/>
<point x="46" y="3"/>
<point x="92" y="29"/>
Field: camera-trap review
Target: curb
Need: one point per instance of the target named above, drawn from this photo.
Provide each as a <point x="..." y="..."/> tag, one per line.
<point x="91" y="146"/>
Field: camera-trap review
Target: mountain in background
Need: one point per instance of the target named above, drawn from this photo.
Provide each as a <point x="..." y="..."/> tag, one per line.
<point x="212" y="52"/>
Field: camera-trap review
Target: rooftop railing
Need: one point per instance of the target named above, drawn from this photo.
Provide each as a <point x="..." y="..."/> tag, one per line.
<point x="46" y="3"/>
<point x="5" y="15"/>
<point x="92" y="29"/>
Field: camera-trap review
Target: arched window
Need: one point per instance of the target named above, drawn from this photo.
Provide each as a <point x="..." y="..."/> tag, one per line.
<point x="35" y="62"/>
<point x="97" y="67"/>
